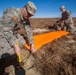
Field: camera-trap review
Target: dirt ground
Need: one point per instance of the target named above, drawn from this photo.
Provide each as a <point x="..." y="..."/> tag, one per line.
<point x="44" y="22"/>
<point x="59" y="56"/>
<point x="55" y="58"/>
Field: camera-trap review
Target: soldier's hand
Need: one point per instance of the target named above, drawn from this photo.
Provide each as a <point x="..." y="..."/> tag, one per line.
<point x="63" y="21"/>
<point x="32" y="48"/>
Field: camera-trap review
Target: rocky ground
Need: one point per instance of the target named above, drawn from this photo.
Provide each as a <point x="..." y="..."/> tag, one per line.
<point x="55" y="58"/>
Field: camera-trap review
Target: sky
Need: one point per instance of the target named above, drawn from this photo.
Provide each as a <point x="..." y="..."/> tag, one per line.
<point x="45" y="8"/>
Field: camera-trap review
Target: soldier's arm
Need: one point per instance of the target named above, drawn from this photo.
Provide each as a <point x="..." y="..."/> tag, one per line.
<point x="10" y="37"/>
<point x="29" y="32"/>
<point x="68" y="13"/>
<point x="16" y="20"/>
<point x="61" y="19"/>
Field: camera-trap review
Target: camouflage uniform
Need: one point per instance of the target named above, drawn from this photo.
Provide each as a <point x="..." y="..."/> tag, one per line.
<point x="9" y="24"/>
<point x="57" y="25"/>
<point x="4" y="45"/>
<point x="68" y="21"/>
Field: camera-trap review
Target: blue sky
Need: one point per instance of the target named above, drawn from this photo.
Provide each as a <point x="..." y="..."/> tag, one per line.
<point x="45" y="8"/>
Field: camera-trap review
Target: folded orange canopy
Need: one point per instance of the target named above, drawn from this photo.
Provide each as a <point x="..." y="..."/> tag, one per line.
<point x="46" y="38"/>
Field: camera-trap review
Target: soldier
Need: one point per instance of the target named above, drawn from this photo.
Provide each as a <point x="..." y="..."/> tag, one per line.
<point x="67" y="20"/>
<point x="14" y="19"/>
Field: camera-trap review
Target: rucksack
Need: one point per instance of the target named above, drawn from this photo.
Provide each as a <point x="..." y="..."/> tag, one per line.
<point x="9" y="13"/>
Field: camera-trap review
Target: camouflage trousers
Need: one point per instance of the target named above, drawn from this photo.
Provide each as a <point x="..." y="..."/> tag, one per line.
<point x="69" y="27"/>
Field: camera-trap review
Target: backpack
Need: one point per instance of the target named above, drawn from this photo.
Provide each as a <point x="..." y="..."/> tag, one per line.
<point x="9" y="13"/>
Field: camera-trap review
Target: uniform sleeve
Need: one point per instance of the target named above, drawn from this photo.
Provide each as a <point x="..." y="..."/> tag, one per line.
<point x="61" y="17"/>
<point x="61" y="20"/>
<point x="10" y="37"/>
<point x="68" y="13"/>
<point x="29" y="32"/>
<point x="68" y="19"/>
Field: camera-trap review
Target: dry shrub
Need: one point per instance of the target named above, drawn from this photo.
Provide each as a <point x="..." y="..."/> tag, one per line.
<point x="56" y="58"/>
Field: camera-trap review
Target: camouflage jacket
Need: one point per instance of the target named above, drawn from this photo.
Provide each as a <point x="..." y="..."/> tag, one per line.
<point x="9" y="23"/>
<point x="66" y="16"/>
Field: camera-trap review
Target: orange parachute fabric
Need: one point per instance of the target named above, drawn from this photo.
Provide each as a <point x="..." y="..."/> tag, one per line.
<point x="42" y="39"/>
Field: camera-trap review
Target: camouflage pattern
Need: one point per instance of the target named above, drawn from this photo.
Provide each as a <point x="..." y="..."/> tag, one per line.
<point x="57" y="25"/>
<point x="68" y="21"/>
<point x="4" y="45"/>
<point x="31" y="8"/>
<point x="9" y="23"/>
<point x="6" y="42"/>
<point x="20" y="40"/>
<point x="28" y="31"/>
